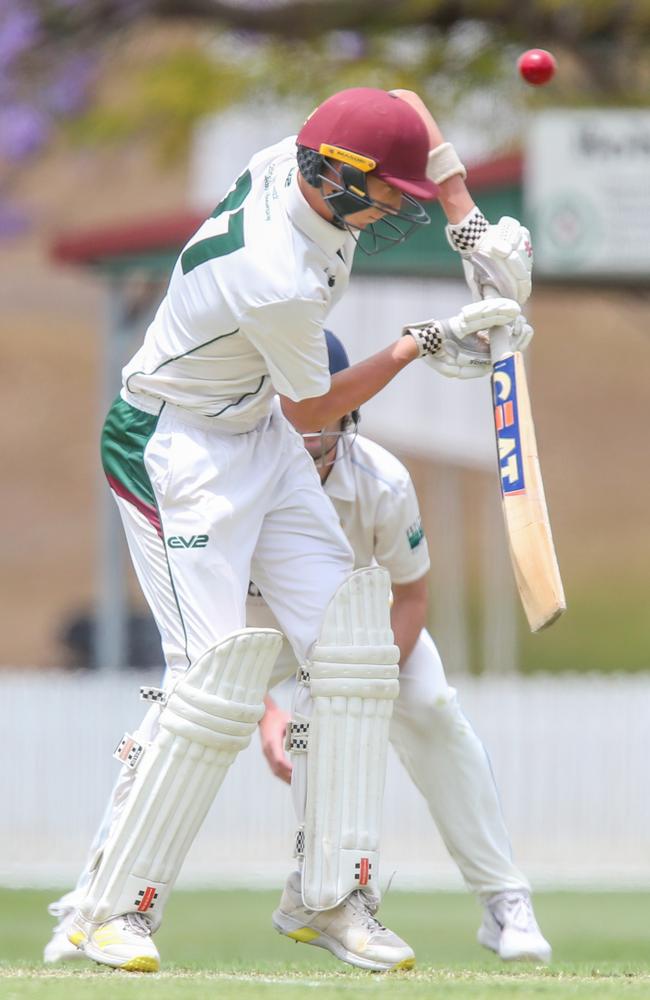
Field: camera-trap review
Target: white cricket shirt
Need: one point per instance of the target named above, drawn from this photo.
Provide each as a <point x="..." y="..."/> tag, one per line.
<point x="376" y="503"/>
<point x="375" y="500"/>
<point x="243" y="315"/>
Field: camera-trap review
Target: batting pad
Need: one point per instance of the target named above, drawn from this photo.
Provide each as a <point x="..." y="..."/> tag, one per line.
<point x="353" y="683"/>
<point x="209" y="717"/>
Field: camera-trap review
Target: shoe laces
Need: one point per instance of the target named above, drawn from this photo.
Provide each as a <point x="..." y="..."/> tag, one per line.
<point x="517" y="911"/>
<point x="365" y="907"/>
<point x="137" y="923"/>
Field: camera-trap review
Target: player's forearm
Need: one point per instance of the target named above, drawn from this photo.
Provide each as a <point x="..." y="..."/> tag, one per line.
<point x="406" y="628"/>
<point x="351" y="388"/>
<point x="408" y="616"/>
<point x="273" y="727"/>
<point x="455" y="200"/>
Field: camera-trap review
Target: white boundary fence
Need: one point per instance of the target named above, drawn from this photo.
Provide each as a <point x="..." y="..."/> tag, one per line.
<point x="570" y="755"/>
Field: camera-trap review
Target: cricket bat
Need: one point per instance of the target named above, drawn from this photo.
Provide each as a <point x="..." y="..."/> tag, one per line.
<point x="528" y="528"/>
<point x="524" y="505"/>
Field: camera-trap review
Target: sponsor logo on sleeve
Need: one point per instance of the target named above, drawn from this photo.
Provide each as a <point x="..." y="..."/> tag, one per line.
<point x="506" y="422"/>
<point x="415" y="533"/>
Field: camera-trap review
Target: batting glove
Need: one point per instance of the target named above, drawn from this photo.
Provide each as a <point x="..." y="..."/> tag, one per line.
<point x="459" y="347"/>
<point x="500" y="256"/>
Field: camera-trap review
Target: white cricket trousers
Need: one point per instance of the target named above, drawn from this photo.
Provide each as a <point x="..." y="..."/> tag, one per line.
<point x="448" y="763"/>
<point x="205" y="512"/>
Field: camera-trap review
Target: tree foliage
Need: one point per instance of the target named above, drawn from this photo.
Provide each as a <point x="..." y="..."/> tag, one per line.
<point x="120" y="69"/>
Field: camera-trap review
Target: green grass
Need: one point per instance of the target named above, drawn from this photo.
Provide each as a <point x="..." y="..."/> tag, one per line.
<point x="221" y="944"/>
<point x="604" y="629"/>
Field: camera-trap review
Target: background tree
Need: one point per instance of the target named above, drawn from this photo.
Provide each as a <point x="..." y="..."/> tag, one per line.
<point x="112" y="70"/>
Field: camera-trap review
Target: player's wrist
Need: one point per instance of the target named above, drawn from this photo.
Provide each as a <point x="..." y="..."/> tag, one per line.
<point x="407" y="347"/>
<point x="426" y="338"/>
<point x="464" y="235"/>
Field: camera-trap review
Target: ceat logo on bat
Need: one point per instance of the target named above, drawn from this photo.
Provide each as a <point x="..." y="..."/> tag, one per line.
<point x="506" y="422"/>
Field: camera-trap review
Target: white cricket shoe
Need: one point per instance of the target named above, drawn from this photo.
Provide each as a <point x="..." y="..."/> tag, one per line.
<point x="59" y="948"/>
<point x="510" y="929"/>
<point x="123" y="943"/>
<point x="350" y="930"/>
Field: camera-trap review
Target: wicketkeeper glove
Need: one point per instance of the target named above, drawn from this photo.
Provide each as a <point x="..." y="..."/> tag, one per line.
<point x="459" y="347"/>
<point x="499" y="256"/>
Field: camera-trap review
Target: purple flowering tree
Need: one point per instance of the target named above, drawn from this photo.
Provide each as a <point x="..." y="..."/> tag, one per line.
<point x="50" y="56"/>
<point x="54" y="55"/>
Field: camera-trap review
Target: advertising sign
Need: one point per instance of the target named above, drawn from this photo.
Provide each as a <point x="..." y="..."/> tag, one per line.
<point x="587" y="189"/>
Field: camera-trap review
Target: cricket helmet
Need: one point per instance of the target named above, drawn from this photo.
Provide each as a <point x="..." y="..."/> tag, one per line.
<point x="365" y="131"/>
<point x="373" y="130"/>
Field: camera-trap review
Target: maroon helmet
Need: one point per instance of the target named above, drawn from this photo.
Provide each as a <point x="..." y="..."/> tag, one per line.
<point x="373" y="130"/>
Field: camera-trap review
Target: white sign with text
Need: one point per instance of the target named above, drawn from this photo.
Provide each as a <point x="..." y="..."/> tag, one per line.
<point x="587" y="189"/>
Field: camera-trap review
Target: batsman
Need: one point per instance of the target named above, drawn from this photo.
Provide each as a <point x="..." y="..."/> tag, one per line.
<point x="215" y="488"/>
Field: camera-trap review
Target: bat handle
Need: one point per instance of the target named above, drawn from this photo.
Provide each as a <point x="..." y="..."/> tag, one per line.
<point x="499" y="336"/>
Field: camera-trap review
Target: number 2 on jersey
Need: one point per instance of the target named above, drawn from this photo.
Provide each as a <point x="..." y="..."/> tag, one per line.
<point x="224" y="243"/>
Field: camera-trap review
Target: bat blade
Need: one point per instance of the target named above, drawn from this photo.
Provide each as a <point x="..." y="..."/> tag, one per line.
<point x="528" y="528"/>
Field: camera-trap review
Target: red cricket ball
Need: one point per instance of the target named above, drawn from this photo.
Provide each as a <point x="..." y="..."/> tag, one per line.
<point x="536" y="66"/>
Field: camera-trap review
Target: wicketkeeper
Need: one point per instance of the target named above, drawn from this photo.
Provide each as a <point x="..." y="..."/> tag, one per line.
<point x="214" y="488"/>
<point x="376" y="503"/>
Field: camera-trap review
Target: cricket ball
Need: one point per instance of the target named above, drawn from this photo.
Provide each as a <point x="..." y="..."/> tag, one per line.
<point x="536" y="66"/>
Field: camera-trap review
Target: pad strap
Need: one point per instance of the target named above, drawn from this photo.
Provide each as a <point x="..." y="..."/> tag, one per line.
<point x="297" y="736"/>
<point x="129" y="752"/>
<point x="156" y="695"/>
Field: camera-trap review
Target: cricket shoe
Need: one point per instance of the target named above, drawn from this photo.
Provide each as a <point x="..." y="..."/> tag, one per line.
<point x="509" y="928"/>
<point x="59" y="948"/>
<point x="350" y="930"/>
<point x="123" y="943"/>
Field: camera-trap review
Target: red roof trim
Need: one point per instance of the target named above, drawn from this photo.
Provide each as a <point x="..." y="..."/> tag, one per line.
<point x="505" y="171"/>
<point x="170" y="233"/>
<point x="145" y="236"/>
